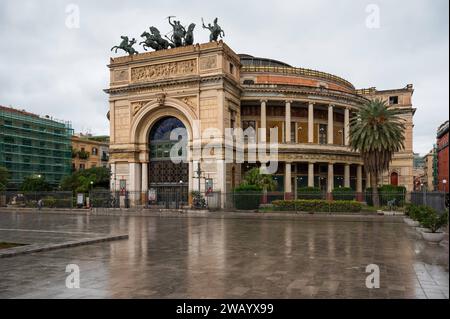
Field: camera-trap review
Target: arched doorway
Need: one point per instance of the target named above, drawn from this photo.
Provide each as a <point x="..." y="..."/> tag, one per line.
<point x="168" y="172"/>
<point x="394" y="178"/>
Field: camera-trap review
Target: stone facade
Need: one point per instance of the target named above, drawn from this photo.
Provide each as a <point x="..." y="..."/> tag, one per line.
<point x="96" y="152"/>
<point x="209" y="86"/>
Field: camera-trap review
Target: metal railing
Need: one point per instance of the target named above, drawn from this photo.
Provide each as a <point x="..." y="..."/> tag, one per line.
<point x="21" y="199"/>
<point x="179" y="198"/>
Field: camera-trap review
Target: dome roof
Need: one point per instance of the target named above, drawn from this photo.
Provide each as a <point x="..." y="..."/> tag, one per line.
<point x="247" y="60"/>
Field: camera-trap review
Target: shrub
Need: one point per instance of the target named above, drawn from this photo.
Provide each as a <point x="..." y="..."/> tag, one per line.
<point x="317" y="205"/>
<point x="387" y="193"/>
<point x="433" y="221"/>
<point x="247" y="188"/>
<point x="49" y="201"/>
<point x="309" y="193"/>
<point x="390" y="192"/>
<point x="343" y="193"/>
<point x="418" y="213"/>
<point x="247" y="197"/>
<point x="198" y="200"/>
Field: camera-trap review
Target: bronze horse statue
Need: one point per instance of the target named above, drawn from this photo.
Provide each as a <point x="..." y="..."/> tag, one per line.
<point x="126" y="45"/>
<point x="189" y="36"/>
<point x="150" y="42"/>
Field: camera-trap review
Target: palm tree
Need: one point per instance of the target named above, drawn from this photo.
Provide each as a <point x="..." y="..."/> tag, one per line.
<point x="263" y="181"/>
<point x="377" y="132"/>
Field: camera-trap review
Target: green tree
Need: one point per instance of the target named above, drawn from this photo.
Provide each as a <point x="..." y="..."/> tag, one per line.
<point x="35" y="183"/>
<point x="263" y="181"/>
<point x="377" y="132"/>
<point x="4" y="178"/>
<point x="80" y="182"/>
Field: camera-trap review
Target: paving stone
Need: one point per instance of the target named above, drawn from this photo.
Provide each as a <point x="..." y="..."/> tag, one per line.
<point x="219" y="258"/>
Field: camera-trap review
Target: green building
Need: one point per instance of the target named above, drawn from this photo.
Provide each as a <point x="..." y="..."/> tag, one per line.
<point x="34" y="145"/>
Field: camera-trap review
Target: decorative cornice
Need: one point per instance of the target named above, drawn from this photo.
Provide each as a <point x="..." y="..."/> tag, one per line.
<point x="304" y="91"/>
<point x="195" y="79"/>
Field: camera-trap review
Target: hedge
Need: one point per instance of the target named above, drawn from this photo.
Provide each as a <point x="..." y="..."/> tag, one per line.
<point x="247" y="197"/>
<point x="317" y="205"/>
<point x="343" y="193"/>
<point x="309" y="193"/>
<point x="388" y="193"/>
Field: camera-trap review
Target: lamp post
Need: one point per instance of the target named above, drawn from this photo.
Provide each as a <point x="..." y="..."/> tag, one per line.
<point x="199" y="175"/>
<point x="91" y="196"/>
<point x="444" y="181"/>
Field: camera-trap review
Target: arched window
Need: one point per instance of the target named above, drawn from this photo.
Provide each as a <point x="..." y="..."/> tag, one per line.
<point x="160" y="142"/>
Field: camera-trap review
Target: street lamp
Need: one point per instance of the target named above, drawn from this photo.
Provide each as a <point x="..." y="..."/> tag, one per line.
<point x="444" y="181"/>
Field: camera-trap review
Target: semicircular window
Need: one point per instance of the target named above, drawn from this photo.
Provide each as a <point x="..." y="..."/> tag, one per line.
<point x="160" y="142"/>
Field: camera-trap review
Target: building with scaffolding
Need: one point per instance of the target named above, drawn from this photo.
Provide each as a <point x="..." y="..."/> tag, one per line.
<point x="34" y="145"/>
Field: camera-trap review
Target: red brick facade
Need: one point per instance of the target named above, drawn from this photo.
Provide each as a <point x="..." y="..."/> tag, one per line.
<point x="442" y="154"/>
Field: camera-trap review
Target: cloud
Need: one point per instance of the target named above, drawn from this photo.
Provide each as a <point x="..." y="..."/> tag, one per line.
<point x="48" y="68"/>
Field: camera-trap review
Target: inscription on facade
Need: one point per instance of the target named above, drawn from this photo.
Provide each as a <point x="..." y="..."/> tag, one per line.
<point x="163" y="71"/>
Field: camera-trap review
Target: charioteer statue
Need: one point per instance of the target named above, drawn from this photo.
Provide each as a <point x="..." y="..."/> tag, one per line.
<point x="215" y="30"/>
<point x="181" y="36"/>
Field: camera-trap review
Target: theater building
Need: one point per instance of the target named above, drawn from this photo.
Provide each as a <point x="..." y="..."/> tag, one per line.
<point x="210" y="86"/>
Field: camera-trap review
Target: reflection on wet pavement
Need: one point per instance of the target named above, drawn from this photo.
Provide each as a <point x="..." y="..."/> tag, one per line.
<point x="222" y="258"/>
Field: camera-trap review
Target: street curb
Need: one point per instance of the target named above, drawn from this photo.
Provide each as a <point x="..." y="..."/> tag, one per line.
<point x="34" y="248"/>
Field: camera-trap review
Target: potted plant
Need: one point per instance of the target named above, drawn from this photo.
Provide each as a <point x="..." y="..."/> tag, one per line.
<point x="413" y="214"/>
<point x="434" y="223"/>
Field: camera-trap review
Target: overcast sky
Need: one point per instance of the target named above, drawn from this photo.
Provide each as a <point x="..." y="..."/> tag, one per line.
<point x="49" y="68"/>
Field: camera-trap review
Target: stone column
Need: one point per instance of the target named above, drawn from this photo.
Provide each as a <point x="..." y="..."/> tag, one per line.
<point x="287" y="181"/>
<point x="310" y="174"/>
<point x="113" y="179"/>
<point x="222" y="179"/>
<point x="311" y="122"/>
<point x="135" y="183"/>
<point x="347" y="175"/>
<point x="263" y="125"/>
<point x="330" y="181"/>
<point x="288" y="122"/>
<point x="144" y="184"/>
<point x="330" y="125"/>
<point x="347" y="127"/>
<point x="359" y="190"/>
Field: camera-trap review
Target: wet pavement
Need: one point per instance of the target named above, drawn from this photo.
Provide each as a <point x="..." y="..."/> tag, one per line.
<point x="221" y="258"/>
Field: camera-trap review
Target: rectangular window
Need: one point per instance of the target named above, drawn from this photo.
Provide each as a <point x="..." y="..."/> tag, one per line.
<point x="293" y="132"/>
<point x="323" y="133"/>
<point x="9" y="139"/>
<point x="393" y="100"/>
